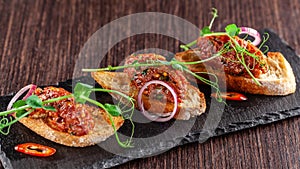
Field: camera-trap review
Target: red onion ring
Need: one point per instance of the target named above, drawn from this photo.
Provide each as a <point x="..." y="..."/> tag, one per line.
<point x="155" y="117"/>
<point x="31" y="89"/>
<point x="29" y="93"/>
<point x="252" y="32"/>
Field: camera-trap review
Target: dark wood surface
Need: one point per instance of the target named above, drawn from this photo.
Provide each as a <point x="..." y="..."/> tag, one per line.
<point x="41" y="40"/>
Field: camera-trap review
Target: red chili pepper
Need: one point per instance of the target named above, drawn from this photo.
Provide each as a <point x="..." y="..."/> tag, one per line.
<point x="35" y="149"/>
<point x="231" y="96"/>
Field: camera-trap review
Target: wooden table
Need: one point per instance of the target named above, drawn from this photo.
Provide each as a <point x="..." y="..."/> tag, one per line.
<point x="41" y="40"/>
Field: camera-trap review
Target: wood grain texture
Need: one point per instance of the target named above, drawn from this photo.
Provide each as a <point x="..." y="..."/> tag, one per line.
<point x="40" y="42"/>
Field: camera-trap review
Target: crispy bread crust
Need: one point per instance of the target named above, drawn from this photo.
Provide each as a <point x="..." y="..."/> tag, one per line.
<point x="101" y="131"/>
<point x="279" y="80"/>
<point x="192" y="105"/>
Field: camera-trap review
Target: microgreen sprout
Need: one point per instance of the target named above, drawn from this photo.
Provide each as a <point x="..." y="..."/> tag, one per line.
<point x="266" y="37"/>
<point x="214" y="13"/>
<point x="204" y="30"/>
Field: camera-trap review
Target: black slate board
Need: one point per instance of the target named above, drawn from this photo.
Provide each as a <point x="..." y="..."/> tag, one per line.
<point x="258" y="110"/>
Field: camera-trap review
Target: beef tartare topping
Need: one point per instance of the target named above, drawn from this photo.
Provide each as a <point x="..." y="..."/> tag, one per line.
<point x="140" y="76"/>
<point x="170" y="77"/>
<point x="231" y="59"/>
<point x="69" y="117"/>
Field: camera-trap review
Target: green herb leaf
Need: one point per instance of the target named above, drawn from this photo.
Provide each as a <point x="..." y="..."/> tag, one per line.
<point x="50" y="108"/>
<point x="82" y="90"/>
<point x="232" y="30"/>
<point x="34" y="101"/>
<point x="20" y="113"/>
<point x="113" y="110"/>
<point x="205" y="30"/>
<point x="19" y="103"/>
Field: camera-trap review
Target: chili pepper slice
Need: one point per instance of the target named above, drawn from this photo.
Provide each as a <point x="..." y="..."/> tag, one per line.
<point x="35" y="149"/>
<point x="231" y="96"/>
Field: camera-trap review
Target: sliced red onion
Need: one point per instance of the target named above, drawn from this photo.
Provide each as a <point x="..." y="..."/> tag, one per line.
<point x="31" y="89"/>
<point x="252" y="32"/>
<point x="151" y="116"/>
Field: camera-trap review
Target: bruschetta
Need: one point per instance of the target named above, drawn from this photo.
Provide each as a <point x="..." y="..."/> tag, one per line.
<point x="72" y="124"/>
<point x="271" y="73"/>
<point x="156" y="99"/>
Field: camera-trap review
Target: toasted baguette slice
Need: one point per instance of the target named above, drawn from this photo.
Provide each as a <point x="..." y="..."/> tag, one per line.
<point x="192" y="105"/>
<point x="101" y="131"/>
<point x="279" y="79"/>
